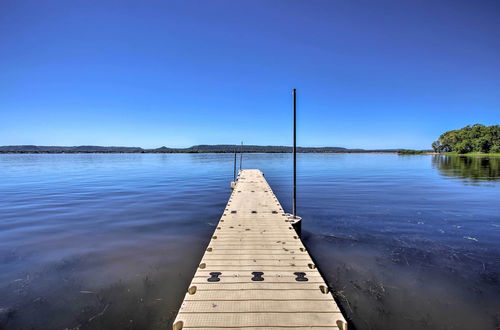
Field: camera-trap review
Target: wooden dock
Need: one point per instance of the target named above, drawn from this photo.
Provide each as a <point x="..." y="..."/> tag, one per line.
<point x="255" y="272"/>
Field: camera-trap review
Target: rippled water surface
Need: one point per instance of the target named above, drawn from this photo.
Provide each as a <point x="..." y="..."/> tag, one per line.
<point x="96" y="241"/>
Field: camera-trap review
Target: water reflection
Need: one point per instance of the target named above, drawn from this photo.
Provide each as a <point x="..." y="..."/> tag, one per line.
<point x="112" y="241"/>
<point x="472" y="168"/>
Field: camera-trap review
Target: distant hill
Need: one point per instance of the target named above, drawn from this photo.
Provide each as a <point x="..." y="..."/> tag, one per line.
<point x="218" y="148"/>
<point x="60" y="150"/>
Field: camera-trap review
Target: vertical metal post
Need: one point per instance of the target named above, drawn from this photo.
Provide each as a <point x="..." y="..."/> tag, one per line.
<point x="234" y="175"/>
<point x="241" y="154"/>
<point x="294" y="153"/>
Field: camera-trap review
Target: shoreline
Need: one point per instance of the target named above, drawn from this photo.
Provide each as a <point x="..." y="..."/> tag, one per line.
<point x="472" y="154"/>
<point x="193" y="152"/>
<point x="248" y="152"/>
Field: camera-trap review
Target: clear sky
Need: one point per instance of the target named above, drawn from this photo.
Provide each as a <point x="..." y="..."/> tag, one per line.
<point x="369" y="74"/>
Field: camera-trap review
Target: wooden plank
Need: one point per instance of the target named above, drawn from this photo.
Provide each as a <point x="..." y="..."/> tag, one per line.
<point x="271" y="328"/>
<point x="247" y="279"/>
<point x="281" y="251"/>
<point x="252" y="285"/>
<point x="269" y="274"/>
<point x="254" y="236"/>
<point x="263" y="320"/>
<point x="282" y="256"/>
<point x="248" y="268"/>
<point x="259" y="306"/>
<point x="256" y="262"/>
<point x="256" y="242"/>
<point x="280" y="295"/>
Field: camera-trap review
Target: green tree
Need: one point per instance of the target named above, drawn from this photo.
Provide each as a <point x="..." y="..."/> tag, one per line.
<point x="481" y="144"/>
<point x="462" y="147"/>
<point x="472" y="138"/>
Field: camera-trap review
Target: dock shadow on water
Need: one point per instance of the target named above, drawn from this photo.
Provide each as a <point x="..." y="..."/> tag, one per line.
<point x="112" y="241"/>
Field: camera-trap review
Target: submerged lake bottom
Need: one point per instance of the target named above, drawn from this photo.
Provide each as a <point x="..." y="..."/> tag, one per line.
<point x="111" y="241"/>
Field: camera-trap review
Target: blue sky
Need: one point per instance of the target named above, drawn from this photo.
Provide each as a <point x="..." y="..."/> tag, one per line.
<point x="369" y="74"/>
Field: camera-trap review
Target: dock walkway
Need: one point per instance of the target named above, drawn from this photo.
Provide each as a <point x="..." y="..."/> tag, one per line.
<point x="255" y="272"/>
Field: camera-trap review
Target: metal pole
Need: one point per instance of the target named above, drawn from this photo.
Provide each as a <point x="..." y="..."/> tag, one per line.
<point x="294" y="152"/>
<point x="241" y="154"/>
<point x="234" y="175"/>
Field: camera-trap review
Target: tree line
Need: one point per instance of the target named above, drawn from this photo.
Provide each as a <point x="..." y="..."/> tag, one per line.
<point x="472" y="138"/>
<point x="220" y="148"/>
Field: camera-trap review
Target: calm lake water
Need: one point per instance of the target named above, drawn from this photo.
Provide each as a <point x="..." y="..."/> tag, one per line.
<point x="95" y="241"/>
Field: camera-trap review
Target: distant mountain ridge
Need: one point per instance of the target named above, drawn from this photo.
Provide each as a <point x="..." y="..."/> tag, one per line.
<point x="203" y="148"/>
<point x="58" y="149"/>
